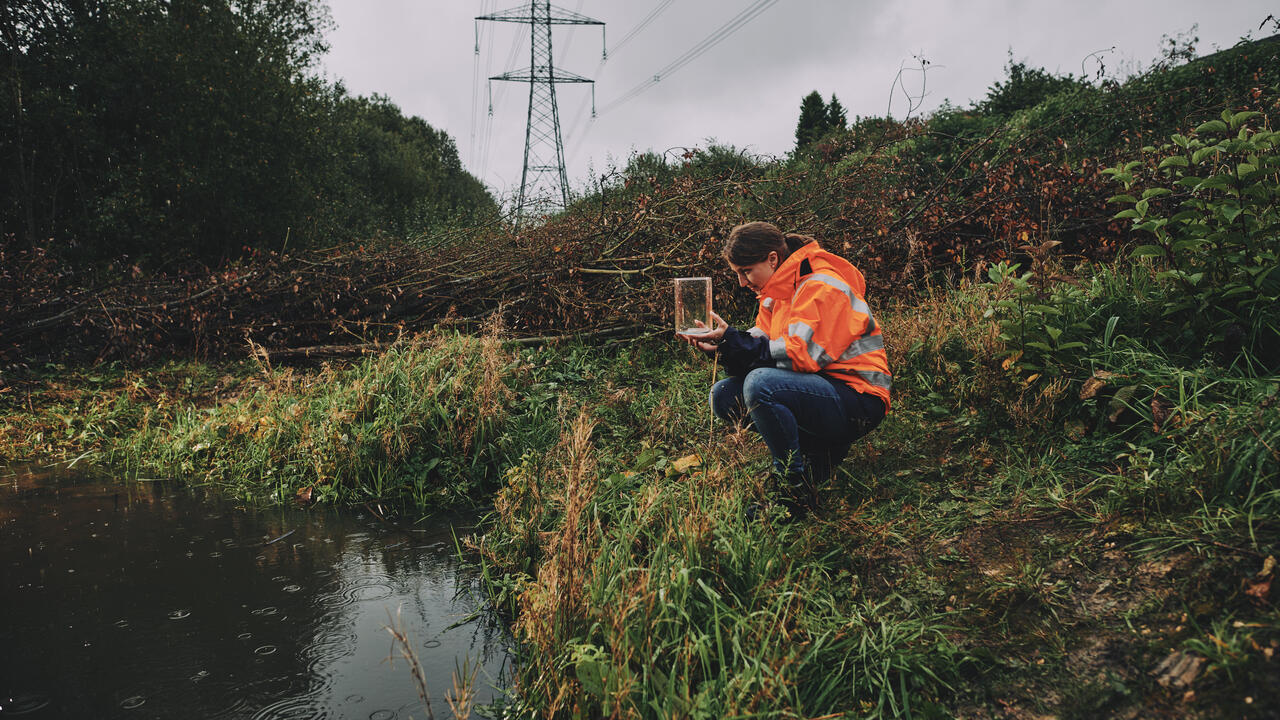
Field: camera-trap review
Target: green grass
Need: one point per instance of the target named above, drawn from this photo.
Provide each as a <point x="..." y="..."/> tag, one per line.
<point x="999" y="546"/>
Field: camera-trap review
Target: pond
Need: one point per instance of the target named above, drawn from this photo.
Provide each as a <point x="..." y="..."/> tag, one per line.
<point x="155" y="600"/>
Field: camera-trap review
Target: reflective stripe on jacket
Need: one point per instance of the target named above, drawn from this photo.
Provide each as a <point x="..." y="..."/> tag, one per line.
<point x="815" y="316"/>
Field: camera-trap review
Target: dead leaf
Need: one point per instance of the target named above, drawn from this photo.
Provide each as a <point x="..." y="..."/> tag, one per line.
<point x="1259" y="590"/>
<point x="1099" y="380"/>
<point x="1178" y="670"/>
<point x="688" y="461"/>
<point x="1268" y="566"/>
<point x="303" y="496"/>
<point x="1091" y="388"/>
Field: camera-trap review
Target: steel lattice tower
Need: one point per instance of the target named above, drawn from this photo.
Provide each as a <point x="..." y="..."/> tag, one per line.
<point x="543" y="182"/>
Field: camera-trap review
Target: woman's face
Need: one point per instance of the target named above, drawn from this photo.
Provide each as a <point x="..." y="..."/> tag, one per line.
<point x="755" y="275"/>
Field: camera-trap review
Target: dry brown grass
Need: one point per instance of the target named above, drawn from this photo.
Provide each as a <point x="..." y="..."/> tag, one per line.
<point x="555" y="600"/>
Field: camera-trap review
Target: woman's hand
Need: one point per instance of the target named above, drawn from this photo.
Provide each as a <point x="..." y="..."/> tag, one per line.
<point x="708" y="341"/>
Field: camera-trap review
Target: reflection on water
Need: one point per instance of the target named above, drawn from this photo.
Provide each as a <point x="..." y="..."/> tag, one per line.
<point x="150" y="600"/>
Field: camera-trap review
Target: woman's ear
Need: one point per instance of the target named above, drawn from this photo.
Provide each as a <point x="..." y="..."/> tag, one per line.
<point x="774" y="262"/>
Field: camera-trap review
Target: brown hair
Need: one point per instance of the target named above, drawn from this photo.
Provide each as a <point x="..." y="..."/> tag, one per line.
<point x="752" y="242"/>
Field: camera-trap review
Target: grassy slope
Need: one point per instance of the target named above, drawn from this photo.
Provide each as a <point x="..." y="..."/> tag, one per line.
<point x="979" y="557"/>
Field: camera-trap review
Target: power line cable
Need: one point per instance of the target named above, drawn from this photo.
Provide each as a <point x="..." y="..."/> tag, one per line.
<point x="582" y="106"/>
<point x="475" y="96"/>
<point x="715" y="38"/>
<point x="563" y="49"/>
<point x="653" y="15"/>
<point x="517" y="45"/>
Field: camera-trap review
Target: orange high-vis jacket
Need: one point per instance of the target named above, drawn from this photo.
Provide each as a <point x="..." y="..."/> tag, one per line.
<point x="816" y="318"/>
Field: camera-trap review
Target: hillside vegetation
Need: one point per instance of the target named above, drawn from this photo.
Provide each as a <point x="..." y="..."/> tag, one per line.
<point x="1073" y="509"/>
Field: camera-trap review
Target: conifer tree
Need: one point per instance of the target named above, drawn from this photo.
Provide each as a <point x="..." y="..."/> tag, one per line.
<point x="813" y="120"/>
<point x="836" y="117"/>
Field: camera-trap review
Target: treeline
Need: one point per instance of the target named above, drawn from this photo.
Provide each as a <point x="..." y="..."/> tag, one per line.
<point x="163" y="128"/>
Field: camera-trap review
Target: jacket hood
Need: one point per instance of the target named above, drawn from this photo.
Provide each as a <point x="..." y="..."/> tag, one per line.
<point x="783" y="283"/>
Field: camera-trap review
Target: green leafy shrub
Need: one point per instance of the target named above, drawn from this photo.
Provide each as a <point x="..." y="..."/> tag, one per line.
<point x="1210" y="213"/>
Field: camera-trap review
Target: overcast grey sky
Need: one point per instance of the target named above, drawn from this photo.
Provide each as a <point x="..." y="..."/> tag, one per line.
<point x="746" y="90"/>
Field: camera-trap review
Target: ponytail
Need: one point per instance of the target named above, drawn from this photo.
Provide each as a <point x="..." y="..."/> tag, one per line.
<point x="752" y="242"/>
<point x="796" y="241"/>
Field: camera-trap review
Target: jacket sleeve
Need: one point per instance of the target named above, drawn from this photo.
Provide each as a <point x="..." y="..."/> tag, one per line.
<point x="826" y="319"/>
<point x="743" y="352"/>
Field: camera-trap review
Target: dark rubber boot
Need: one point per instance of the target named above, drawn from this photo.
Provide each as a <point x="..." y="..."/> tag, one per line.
<point x="798" y="496"/>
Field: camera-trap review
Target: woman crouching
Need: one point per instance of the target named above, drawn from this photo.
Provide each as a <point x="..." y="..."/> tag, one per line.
<point x="811" y="376"/>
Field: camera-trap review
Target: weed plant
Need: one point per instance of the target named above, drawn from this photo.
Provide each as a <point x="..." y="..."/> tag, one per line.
<point x="431" y="421"/>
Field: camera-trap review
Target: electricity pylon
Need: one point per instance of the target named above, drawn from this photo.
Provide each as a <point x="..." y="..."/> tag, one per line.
<point x="543" y="182"/>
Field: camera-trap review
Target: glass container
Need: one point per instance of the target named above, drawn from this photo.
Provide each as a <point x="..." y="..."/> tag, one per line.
<point x="693" y="305"/>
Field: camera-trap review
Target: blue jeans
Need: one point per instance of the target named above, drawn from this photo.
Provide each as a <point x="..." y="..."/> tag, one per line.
<point x="806" y="422"/>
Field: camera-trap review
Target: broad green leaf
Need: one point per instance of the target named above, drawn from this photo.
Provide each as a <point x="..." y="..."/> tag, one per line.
<point x="1242" y="117"/>
<point x="1122" y="198"/>
<point x="1198" y="156"/>
<point x="1212" y="126"/>
<point x="1130" y="213"/>
<point x="1173" y="160"/>
<point x="1054" y="333"/>
<point x="1214" y="182"/>
<point x="1246" y="169"/>
<point x="1156" y="192"/>
<point x="1037" y="345"/>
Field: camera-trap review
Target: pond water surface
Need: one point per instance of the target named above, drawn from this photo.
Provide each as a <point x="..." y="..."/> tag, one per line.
<point x="153" y="600"/>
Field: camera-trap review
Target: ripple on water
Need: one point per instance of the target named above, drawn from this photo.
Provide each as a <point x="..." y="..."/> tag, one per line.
<point x="294" y="709"/>
<point x="265" y="611"/>
<point x="326" y="650"/>
<point x="237" y="707"/>
<point x="133" y="701"/>
<point x="179" y="614"/>
<point x="23" y="704"/>
<point x="351" y="592"/>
